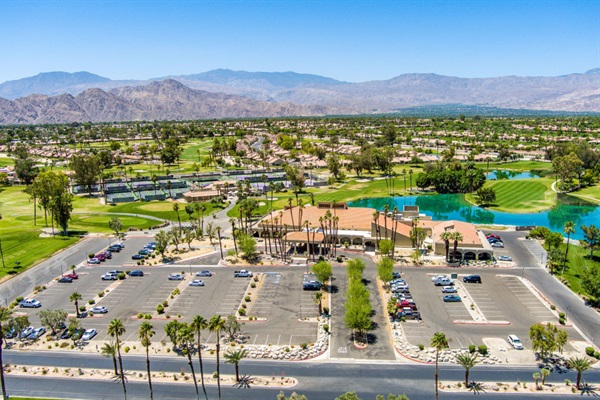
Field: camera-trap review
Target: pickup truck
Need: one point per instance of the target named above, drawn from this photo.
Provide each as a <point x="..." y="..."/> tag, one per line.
<point x="242" y="273"/>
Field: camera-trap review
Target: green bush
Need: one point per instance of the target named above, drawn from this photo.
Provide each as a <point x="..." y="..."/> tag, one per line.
<point x="303" y="346"/>
<point x="472" y="348"/>
<point x="148" y="316"/>
<point x="552" y="307"/>
<point x="100" y="294"/>
<point x="561" y="321"/>
<point x="165" y="303"/>
<point x="253" y="285"/>
<point x="326" y="327"/>
<point x="160" y="309"/>
<point x="215" y="374"/>
<point x="121" y="276"/>
<point x="483" y="349"/>
<point x="91" y="301"/>
<point x="140" y="315"/>
<point x="326" y="310"/>
<point x="242" y="312"/>
<point x="126" y="349"/>
<point x="562" y="315"/>
<point x="421" y="347"/>
<point x="128" y="271"/>
<point x="18" y="299"/>
<point x="82" y="308"/>
<point x="247" y="298"/>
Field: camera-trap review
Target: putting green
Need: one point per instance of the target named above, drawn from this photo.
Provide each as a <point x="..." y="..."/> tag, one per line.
<point x="522" y="196"/>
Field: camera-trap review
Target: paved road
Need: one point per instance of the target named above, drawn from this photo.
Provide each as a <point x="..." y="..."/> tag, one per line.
<point x="316" y="380"/>
<point x="585" y="318"/>
<point x="24" y="283"/>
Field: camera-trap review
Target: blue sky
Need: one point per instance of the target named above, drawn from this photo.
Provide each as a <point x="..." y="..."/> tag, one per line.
<point x="347" y="40"/>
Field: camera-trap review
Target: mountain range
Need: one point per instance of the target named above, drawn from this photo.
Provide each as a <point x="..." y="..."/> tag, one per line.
<point x="57" y="97"/>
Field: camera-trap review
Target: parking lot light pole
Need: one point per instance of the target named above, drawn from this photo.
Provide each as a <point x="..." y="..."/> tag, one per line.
<point x="523" y="272"/>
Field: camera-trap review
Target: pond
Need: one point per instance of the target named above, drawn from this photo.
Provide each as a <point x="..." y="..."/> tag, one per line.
<point x="500" y="174"/>
<point x="454" y="206"/>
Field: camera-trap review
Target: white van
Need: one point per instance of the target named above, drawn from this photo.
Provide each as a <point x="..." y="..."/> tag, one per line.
<point x="444" y="281"/>
<point x="515" y="342"/>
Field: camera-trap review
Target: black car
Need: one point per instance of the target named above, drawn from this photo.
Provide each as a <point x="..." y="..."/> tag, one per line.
<point x="137" y="257"/>
<point x="137" y="272"/>
<point x="65" y="279"/>
<point x="312" y="285"/>
<point x="472" y="279"/>
<point x="114" y="249"/>
<point x="65" y="334"/>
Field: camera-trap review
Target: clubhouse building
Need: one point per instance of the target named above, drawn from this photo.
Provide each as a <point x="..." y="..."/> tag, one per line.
<point x="316" y="228"/>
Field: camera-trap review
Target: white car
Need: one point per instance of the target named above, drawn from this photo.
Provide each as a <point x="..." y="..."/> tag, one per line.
<point x="109" y="277"/>
<point x="175" y="277"/>
<point x="505" y="258"/>
<point x="197" y="282"/>
<point x="515" y="342"/>
<point x="30" y="303"/>
<point x="204" y="273"/>
<point x="435" y="278"/>
<point x="499" y="245"/>
<point x="89" y="334"/>
<point x="449" y="289"/>
<point x="99" y="310"/>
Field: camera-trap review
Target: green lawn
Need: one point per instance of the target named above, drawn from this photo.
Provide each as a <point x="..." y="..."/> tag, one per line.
<point x="578" y="258"/>
<point x="591" y="193"/>
<point x="190" y="153"/>
<point x="517" y="165"/>
<point x="521" y="196"/>
<point x="20" y="237"/>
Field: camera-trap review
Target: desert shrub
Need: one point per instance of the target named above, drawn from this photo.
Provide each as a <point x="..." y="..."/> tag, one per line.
<point x="242" y="312"/>
<point x="472" y="348"/>
<point x="160" y="309"/>
<point x="303" y="346"/>
<point x="247" y="298"/>
<point x="483" y="349"/>
<point x="91" y="301"/>
<point x="421" y="347"/>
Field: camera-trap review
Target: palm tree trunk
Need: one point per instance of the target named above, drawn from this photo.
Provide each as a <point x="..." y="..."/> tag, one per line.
<point x="121" y="367"/>
<point x="437" y="356"/>
<point x="201" y="367"/>
<point x="218" y="365"/>
<point x="189" y="355"/>
<point x="4" y="396"/>
<point x="114" y="358"/>
<point x="148" y="372"/>
<point x="237" y="372"/>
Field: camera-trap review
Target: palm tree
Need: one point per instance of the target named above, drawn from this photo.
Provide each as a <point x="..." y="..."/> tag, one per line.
<point x="176" y="209"/>
<point x="145" y="332"/>
<point x="110" y="350"/>
<point x="216" y="325"/>
<point x="440" y="342"/>
<point x="467" y="361"/>
<point x="536" y="377"/>
<point x="220" y="243"/>
<point x="317" y="299"/>
<point x="457" y="237"/>
<point x="545" y="373"/>
<point x="75" y="297"/>
<point x="579" y="364"/>
<point x="569" y="229"/>
<point x="410" y="174"/>
<point x="233" y="233"/>
<point x="198" y="324"/>
<point x="116" y="329"/>
<point x="446" y="236"/>
<point x="235" y="357"/>
<point x="5" y="315"/>
<point x="185" y="337"/>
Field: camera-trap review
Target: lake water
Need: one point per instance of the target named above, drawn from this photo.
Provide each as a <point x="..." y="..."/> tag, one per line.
<point x="455" y="207"/>
<point x="500" y="174"/>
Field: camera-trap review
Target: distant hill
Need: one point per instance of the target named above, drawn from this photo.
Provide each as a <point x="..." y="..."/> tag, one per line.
<point x="164" y="100"/>
<point x="301" y="93"/>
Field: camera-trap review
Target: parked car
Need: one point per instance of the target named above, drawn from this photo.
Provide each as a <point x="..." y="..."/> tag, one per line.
<point x="26" y="332"/>
<point x="145" y="252"/>
<point x="242" y="274"/>
<point x="312" y="285"/>
<point x="73" y="275"/>
<point x="435" y="278"/>
<point x="493" y="239"/>
<point x="12" y="333"/>
<point x="100" y="256"/>
<point x="114" y="248"/>
<point x="498" y="245"/>
<point x="30" y="303"/>
<point x="99" y="310"/>
<point x="196" y="282"/>
<point x="108" y="254"/>
<point x="450" y="298"/>
<point x="116" y="271"/>
<point x="175" y="277"/>
<point x="65" y="279"/>
<point x="136" y="272"/>
<point x="109" y="277"/>
<point x="121" y="245"/>
<point x="36" y="333"/>
<point x="138" y="257"/>
<point x="449" y="289"/>
<point x="505" y="258"/>
<point x="93" y="260"/>
<point x="445" y="281"/>
<point x="396" y="275"/>
<point x="65" y="334"/>
<point x="204" y="273"/>
<point x="491" y="235"/>
<point x="89" y="334"/>
<point x="472" y="279"/>
<point x="515" y="342"/>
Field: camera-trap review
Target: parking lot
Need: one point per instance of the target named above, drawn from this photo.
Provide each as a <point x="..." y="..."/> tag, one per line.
<point x="503" y="305"/>
<point x="280" y="299"/>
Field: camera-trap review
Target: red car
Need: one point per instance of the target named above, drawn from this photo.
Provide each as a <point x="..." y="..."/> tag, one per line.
<point x="406" y="303"/>
<point x="72" y="275"/>
<point x="100" y="256"/>
<point x="491" y="235"/>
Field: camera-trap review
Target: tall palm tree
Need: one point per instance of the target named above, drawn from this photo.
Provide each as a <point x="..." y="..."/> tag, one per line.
<point x="216" y="325"/>
<point x="110" y="350"/>
<point x="439" y="342"/>
<point x="198" y="324"/>
<point x="579" y="364"/>
<point x="457" y="237"/>
<point x="233" y="233"/>
<point x="235" y="357"/>
<point x="467" y="361"/>
<point x="75" y="297"/>
<point x="5" y="315"/>
<point x="446" y="236"/>
<point x="145" y="332"/>
<point x="176" y="209"/>
<point x="317" y="299"/>
<point x="116" y="329"/>
<point x="569" y="229"/>
<point x="185" y="337"/>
